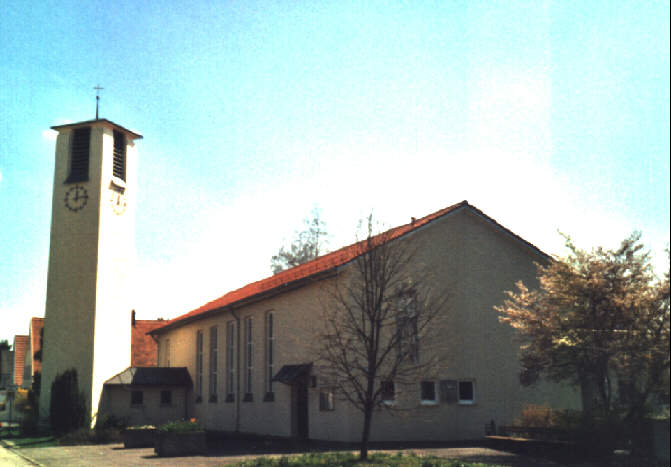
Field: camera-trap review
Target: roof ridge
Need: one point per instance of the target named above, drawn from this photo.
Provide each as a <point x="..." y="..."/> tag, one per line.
<point x="306" y="270"/>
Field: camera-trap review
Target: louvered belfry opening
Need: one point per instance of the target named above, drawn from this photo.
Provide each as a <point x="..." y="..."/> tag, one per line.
<point x="119" y="162"/>
<point x="79" y="158"/>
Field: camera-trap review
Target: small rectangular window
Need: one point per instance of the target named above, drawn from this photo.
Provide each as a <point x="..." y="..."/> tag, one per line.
<point x="119" y="156"/>
<point x="326" y="399"/>
<point x="387" y="392"/>
<point x="466" y="392"/>
<point x="79" y="155"/>
<point x="166" y="397"/>
<point x="428" y="393"/>
<point x="136" y="397"/>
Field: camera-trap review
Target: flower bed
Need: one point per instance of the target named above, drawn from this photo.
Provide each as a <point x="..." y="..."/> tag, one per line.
<point x="180" y="439"/>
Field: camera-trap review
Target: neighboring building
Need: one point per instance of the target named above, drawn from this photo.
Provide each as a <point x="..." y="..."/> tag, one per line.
<point x="251" y="352"/>
<point x="144" y="351"/>
<point x="32" y="365"/>
<point x="20" y="347"/>
<point x="6" y="368"/>
<point x="91" y="257"/>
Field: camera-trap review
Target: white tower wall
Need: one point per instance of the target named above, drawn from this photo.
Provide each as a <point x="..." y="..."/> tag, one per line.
<point x="91" y="265"/>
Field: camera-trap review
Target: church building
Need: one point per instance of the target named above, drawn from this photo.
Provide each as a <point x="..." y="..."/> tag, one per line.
<point x="246" y="362"/>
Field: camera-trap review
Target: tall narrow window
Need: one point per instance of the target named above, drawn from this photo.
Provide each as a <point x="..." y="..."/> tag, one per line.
<point x="248" y="360"/>
<point x="270" y="349"/>
<point x="79" y="155"/>
<point x="230" y="361"/>
<point x="406" y="326"/>
<point x="166" y="358"/>
<point x="119" y="156"/>
<point x="199" y="366"/>
<point x="214" y="349"/>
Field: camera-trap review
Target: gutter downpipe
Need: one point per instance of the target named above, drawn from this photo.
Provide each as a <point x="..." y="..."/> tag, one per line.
<point x="237" y="373"/>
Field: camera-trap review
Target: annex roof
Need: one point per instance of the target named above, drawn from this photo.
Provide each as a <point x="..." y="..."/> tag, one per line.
<point x="320" y="267"/>
<point x="151" y="376"/>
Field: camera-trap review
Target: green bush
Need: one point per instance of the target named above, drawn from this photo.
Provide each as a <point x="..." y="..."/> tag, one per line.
<point x="105" y="421"/>
<point x="181" y="426"/>
<point x="68" y="410"/>
<point x="29" y="425"/>
<point x="89" y="436"/>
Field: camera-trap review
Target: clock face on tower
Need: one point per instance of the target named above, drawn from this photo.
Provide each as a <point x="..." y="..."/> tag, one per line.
<point x="118" y="201"/>
<point x="76" y="198"/>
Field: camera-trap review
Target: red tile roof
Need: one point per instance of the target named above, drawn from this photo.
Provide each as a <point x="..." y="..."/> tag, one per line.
<point x="317" y="266"/>
<point x="143" y="347"/>
<point x="36" y="325"/>
<point x="20" y="346"/>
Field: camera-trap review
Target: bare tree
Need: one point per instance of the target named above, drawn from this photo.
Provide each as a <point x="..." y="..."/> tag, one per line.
<point x="376" y="317"/>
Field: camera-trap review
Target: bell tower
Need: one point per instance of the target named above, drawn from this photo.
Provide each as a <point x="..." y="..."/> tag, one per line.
<point x="91" y="257"/>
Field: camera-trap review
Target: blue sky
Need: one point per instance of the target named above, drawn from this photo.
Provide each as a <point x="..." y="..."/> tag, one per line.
<point x="545" y="115"/>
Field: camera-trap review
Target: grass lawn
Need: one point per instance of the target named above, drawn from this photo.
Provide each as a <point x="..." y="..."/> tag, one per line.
<point x="347" y="459"/>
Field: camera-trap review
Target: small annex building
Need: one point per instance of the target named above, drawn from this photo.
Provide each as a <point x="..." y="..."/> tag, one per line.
<point x="147" y="395"/>
<point x="250" y="353"/>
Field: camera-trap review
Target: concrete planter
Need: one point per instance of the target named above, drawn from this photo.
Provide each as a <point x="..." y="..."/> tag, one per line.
<point x="138" y="438"/>
<point x="176" y="443"/>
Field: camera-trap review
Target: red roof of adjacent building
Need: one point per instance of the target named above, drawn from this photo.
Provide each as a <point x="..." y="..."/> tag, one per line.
<point x="143" y="348"/>
<point x="319" y="265"/>
<point x="20" y="346"/>
<point x="36" y="326"/>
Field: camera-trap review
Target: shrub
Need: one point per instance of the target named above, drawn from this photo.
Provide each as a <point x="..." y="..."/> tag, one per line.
<point x="29" y="425"/>
<point x="88" y="436"/>
<point x="105" y="421"/>
<point x="181" y="426"/>
<point x="68" y="410"/>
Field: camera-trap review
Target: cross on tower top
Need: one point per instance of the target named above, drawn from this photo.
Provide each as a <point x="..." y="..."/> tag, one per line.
<point x="98" y="89"/>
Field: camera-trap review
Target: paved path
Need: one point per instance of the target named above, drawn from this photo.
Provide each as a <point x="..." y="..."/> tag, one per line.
<point x="115" y="455"/>
<point x="9" y="459"/>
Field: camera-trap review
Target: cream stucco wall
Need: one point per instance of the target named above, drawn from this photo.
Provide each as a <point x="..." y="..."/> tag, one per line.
<point x="116" y="400"/>
<point x="90" y="271"/>
<point x="463" y="254"/>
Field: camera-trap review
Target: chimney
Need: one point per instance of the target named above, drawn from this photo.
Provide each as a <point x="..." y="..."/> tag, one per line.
<point x="412" y="220"/>
<point x="132" y="318"/>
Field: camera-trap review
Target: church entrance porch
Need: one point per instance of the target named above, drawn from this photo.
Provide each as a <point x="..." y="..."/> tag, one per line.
<point x="298" y="378"/>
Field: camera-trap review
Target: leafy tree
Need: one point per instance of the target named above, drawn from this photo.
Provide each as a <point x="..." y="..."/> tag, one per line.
<point x="68" y="405"/>
<point x="307" y="245"/>
<point x="599" y="320"/>
<point x="378" y="314"/>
